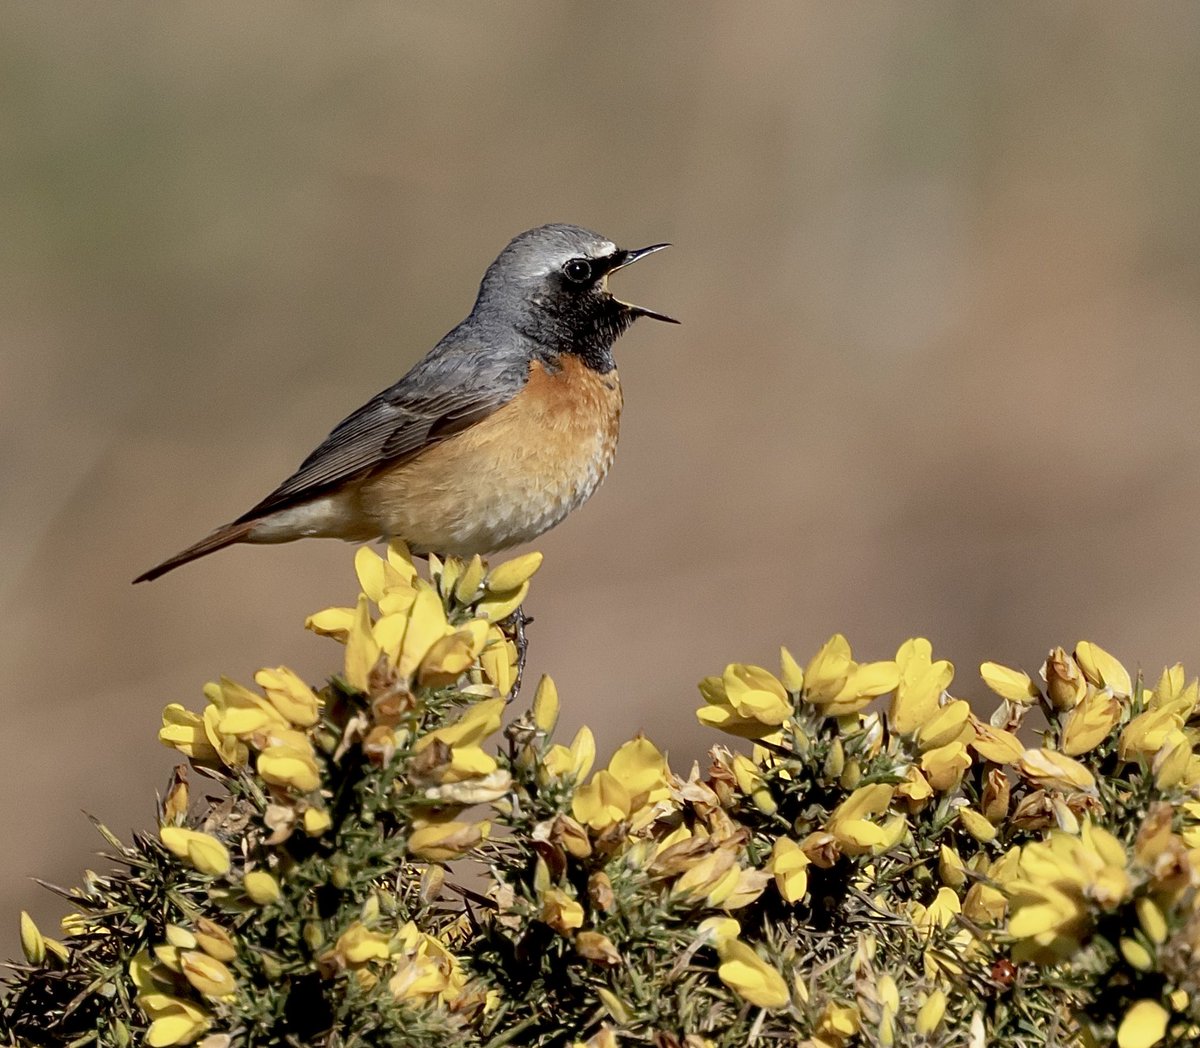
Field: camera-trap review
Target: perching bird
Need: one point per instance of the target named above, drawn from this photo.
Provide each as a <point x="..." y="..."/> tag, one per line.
<point x="507" y="424"/>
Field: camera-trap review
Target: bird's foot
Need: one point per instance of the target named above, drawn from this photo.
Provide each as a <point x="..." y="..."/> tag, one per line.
<point x="519" y="621"/>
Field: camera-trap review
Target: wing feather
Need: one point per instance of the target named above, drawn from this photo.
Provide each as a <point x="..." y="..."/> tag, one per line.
<point x="444" y="394"/>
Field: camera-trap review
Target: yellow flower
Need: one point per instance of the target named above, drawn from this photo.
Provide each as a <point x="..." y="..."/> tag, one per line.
<point x="208" y="975"/>
<point x="789" y="865"/>
<point x="1145" y="734"/>
<point x="747" y="887"/>
<point x="938" y="914"/>
<point x="711" y="879"/>
<point x="1172" y="761"/>
<point x="1058" y="883"/>
<point x="976" y="825"/>
<point x="750" y="977"/>
<point x="466" y="586"/>
<point x="920" y="686"/>
<point x="986" y="902"/>
<point x="261" y="887"/>
<point x="184" y="731"/>
<point x="175" y="1021"/>
<point x="915" y="789"/>
<point x="574" y="761"/>
<point x="750" y="781"/>
<point x="1136" y="955"/>
<point x="359" y="945"/>
<point x="498" y="605"/>
<point x="563" y="913"/>
<point x="838" y="685"/>
<point x="1065" y="683"/>
<point x="929" y="1018"/>
<point x="362" y="649"/>
<point x="1152" y="919"/>
<point x="851" y="828"/>
<point x="951" y="869"/>
<point x="294" y="766"/>
<point x="746" y="701"/>
<point x="425" y="968"/>
<point x="997" y="790"/>
<point x="867" y="682"/>
<point x="294" y="699"/>
<point x="332" y="622"/>
<point x="1173" y="691"/>
<point x="642" y="769"/>
<point x="442" y="841"/>
<point x="945" y="766"/>
<point x="214" y="940"/>
<point x="951" y="723"/>
<point x="232" y="751"/>
<point x="463" y="736"/>
<point x="1144" y="1025"/>
<point x="837" y="1024"/>
<point x="601" y="803"/>
<point x="33" y="943"/>
<point x="499" y="660"/>
<point x="828" y="670"/>
<point x="426" y="625"/>
<point x="202" y="851"/>
<point x="316" y="821"/>
<point x="379" y="577"/>
<point x="1102" y="670"/>
<point x="790" y="673"/>
<point x="1090" y="723"/>
<point x="512" y="573"/>
<point x="545" y="705"/>
<point x="1053" y="770"/>
<point x="1013" y="685"/>
<point x="995" y="744"/>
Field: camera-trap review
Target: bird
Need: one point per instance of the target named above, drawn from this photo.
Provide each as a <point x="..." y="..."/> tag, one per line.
<point x="508" y="424"/>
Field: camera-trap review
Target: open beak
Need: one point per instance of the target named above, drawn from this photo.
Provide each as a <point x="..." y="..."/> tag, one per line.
<point x="625" y="258"/>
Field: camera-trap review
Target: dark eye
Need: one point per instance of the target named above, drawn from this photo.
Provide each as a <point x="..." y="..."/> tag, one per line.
<point x="578" y="270"/>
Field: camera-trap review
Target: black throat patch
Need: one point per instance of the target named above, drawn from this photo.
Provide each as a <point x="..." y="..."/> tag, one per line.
<point x="586" y="326"/>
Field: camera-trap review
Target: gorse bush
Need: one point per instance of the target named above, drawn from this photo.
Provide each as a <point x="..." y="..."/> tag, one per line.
<point x="386" y="862"/>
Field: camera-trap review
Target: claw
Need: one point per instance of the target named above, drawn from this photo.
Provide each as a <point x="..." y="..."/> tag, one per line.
<point x="519" y="621"/>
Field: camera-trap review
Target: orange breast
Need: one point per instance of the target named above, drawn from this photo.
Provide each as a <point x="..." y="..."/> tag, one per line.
<point x="512" y="475"/>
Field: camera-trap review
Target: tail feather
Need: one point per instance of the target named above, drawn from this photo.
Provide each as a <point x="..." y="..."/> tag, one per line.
<point x="224" y="536"/>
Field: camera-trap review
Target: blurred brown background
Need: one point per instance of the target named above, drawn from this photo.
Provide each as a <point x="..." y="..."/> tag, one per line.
<point x="938" y="273"/>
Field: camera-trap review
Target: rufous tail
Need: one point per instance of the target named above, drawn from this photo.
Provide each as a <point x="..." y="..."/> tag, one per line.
<point x="224" y="536"/>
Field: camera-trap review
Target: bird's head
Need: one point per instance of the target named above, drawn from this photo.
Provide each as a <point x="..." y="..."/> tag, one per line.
<point x="551" y="283"/>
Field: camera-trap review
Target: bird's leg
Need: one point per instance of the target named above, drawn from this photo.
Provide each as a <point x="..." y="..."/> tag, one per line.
<point x="519" y="621"/>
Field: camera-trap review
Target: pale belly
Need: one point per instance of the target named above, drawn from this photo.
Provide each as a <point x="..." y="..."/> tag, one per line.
<point x="509" y="477"/>
<point x="503" y="481"/>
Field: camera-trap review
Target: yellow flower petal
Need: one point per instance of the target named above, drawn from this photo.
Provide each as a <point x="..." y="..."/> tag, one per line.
<point x="332" y="622"/>
<point x="426" y="625"/>
<point x="545" y="705"/>
<point x="498" y="606"/>
<point x="208" y="975"/>
<point x="1144" y="1025"/>
<point x="750" y="977"/>
<point x="949" y="724"/>
<point x="513" y="573"/>
<point x="1054" y="770"/>
<point x="1013" y="685"/>
<point x="289" y="766"/>
<point x="362" y="649"/>
<point x="1102" y="669"/>
<point x="1090" y="723"/>
<point x="200" y="850"/>
<point x="294" y="699"/>
<point x="261" y="887"/>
